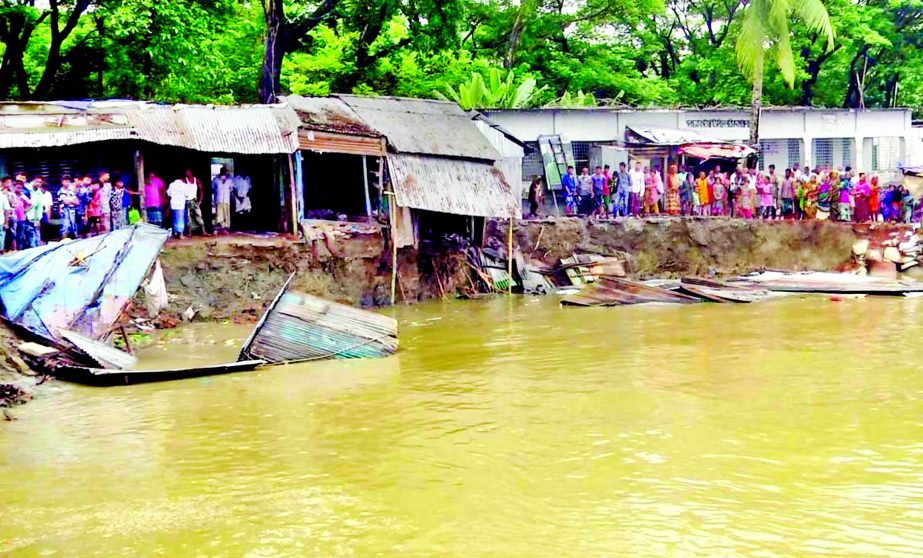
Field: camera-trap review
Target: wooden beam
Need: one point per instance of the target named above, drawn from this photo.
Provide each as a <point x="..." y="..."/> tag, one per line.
<point x="365" y="189"/>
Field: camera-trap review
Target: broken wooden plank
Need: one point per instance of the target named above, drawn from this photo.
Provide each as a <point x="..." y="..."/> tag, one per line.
<point x="612" y="291"/>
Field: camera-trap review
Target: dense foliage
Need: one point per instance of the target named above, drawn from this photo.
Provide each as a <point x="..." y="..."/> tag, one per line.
<point x="642" y="52"/>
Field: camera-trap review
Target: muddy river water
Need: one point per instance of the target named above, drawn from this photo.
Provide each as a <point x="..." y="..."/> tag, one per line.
<point x="503" y="428"/>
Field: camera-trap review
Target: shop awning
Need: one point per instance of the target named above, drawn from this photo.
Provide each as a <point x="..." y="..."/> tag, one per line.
<point x="706" y="151"/>
<point x="664" y="136"/>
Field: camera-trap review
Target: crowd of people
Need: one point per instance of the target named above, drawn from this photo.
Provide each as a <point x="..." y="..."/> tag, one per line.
<point x="33" y="212"/>
<point x="822" y="193"/>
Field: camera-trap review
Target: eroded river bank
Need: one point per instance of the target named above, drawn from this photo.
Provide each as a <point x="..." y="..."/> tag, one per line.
<point x="503" y="427"/>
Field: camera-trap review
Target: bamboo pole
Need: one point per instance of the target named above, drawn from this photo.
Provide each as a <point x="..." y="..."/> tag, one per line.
<point x="392" y="213"/>
<point x="139" y="170"/>
<point x="294" y="201"/>
<point x="509" y="256"/>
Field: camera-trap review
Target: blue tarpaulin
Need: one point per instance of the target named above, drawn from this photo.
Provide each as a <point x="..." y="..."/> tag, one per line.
<point x="82" y="285"/>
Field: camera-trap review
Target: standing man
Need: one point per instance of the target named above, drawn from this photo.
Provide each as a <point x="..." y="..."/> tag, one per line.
<point x="569" y="184"/>
<point x="599" y="191"/>
<point x="775" y="181"/>
<point x="105" y="192"/>
<point x="67" y="207"/>
<point x="584" y="192"/>
<point x="177" y="194"/>
<point x="221" y="193"/>
<point x="636" y="178"/>
<point x="194" y="195"/>
<point x="34" y="214"/>
<point x="622" y="192"/>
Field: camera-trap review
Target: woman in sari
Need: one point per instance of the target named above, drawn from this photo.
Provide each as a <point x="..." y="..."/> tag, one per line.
<point x="810" y="197"/>
<point x="701" y="190"/>
<point x="651" y="195"/>
<point x="744" y="200"/>
<point x="824" y="192"/>
<point x="874" y="200"/>
<point x="672" y="198"/>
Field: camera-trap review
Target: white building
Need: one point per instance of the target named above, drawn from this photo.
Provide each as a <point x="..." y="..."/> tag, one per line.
<point x="874" y="140"/>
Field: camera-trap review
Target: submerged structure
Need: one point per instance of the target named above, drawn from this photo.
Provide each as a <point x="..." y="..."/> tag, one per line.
<point x="299" y="327"/>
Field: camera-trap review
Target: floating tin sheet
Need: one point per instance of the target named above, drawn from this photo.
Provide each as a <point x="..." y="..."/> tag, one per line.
<point x="300" y="327"/>
<point x="104" y="355"/>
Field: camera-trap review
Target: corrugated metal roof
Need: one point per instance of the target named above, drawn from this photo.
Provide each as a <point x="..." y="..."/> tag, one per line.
<point x="329" y="114"/>
<point x="665" y="136"/>
<point x="423" y="126"/>
<point x="248" y="129"/>
<point x="57" y="138"/>
<point x="453" y="186"/>
<point x="300" y="327"/>
<point x="239" y="129"/>
<point x="104" y="355"/>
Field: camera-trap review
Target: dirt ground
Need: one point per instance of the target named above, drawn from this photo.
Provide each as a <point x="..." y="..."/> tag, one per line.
<point x="671" y="247"/>
<point x="236" y="277"/>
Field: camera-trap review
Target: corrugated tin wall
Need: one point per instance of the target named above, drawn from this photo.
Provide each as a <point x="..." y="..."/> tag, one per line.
<point x="453" y="186"/>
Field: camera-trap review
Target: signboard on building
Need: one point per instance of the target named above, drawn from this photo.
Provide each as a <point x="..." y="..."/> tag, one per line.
<point x="697" y="122"/>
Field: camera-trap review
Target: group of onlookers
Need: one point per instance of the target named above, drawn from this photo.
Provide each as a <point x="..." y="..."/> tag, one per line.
<point x="824" y="193"/>
<point x="88" y="204"/>
<point x="32" y="212"/>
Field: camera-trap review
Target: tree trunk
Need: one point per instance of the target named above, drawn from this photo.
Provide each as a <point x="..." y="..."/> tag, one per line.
<point x="513" y="43"/>
<point x="50" y="72"/>
<point x="756" y="103"/>
<point x="273" y="53"/>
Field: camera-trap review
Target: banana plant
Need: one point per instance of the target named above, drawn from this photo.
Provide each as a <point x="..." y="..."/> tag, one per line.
<point x="500" y="90"/>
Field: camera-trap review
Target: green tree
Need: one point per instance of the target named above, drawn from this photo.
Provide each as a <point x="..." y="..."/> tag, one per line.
<point x="765" y="31"/>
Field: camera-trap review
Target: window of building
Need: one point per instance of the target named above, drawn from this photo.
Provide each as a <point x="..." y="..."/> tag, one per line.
<point x="883" y="154"/>
<point x="834" y="152"/>
<point x="532" y="161"/>
<point x="783" y="153"/>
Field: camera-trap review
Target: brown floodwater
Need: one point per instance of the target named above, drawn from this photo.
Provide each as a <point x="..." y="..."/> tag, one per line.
<point x="502" y="428"/>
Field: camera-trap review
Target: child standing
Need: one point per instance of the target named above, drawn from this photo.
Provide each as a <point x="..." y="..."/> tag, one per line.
<point x="116" y="205"/>
<point x="94" y="209"/>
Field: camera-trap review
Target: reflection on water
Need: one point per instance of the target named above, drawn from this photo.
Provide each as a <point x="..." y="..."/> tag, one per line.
<point x="502" y="428"/>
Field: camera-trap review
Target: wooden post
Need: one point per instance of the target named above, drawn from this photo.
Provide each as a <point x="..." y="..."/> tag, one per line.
<point x="392" y="213"/>
<point x="509" y="256"/>
<point x="139" y="170"/>
<point x="293" y="201"/>
<point x="365" y="189"/>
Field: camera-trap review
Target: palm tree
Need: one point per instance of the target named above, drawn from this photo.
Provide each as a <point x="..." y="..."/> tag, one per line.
<point x="765" y="32"/>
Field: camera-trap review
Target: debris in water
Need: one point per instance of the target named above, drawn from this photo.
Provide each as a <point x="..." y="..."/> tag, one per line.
<point x="613" y="291"/>
<point x="300" y="327"/>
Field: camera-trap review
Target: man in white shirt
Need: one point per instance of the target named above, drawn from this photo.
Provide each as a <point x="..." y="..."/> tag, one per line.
<point x="221" y="190"/>
<point x="636" y="179"/>
<point x="177" y="194"/>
